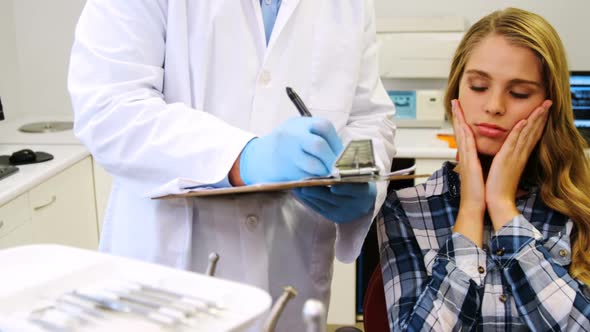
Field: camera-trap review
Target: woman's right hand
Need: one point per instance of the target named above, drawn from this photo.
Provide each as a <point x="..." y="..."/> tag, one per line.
<point x="472" y="207"/>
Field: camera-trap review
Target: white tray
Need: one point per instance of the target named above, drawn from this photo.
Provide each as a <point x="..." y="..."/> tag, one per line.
<point x="33" y="276"/>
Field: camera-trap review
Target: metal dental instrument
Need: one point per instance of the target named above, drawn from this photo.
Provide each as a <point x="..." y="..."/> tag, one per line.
<point x="76" y="312"/>
<point x="186" y="309"/>
<point x="314" y="315"/>
<point x="49" y="326"/>
<point x="56" y="318"/>
<point x="105" y="303"/>
<point x="213" y="258"/>
<point x="277" y="309"/>
<point x="178" y="296"/>
<point x="83" y="306"/>
<point x="157" y="306"/>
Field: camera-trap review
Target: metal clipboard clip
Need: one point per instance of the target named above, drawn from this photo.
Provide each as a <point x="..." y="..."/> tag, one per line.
<point x="356" y="160"/>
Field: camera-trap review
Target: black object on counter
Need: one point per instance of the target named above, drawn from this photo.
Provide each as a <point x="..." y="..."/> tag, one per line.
<point x="24" y="157"/>
<point x="1" y="111"/>
<point x="7" y="171"/>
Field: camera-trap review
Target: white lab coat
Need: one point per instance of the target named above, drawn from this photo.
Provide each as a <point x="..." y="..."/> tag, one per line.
<point x="164" y="89"/>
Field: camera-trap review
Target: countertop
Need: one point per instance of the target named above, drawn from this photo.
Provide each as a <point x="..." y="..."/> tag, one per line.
<point x="421" y="143"/>
<point x="9" y="133"/>
<point x="410" y="142"/>
<point x="64" y="146"/>
<point x="29" y="176"/>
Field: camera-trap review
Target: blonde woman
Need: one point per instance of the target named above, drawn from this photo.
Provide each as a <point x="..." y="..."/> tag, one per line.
<point x="500" y="240"/>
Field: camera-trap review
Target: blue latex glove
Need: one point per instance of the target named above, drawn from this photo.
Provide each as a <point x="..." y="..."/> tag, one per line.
<point x="340" y="203"/>
<point x="300" y="147"/>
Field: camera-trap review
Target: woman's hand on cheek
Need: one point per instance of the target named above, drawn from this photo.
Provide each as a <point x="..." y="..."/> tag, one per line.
<point x="509" y="163"/>
<point x="472" y="185"/>
<point x="472" y="207"/>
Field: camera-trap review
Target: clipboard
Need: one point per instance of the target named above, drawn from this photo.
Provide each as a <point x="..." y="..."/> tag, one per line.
<point x="355" y="164"/>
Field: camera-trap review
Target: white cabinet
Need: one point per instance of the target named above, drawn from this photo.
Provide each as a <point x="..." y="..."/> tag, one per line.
<point x="63" y="208"/>
<point x="20" y="236"/>
<point x="15" y="222"/>
<point x="342" y="307"/>
<point x="102" y="188"/>
<point x="60" y="210"/>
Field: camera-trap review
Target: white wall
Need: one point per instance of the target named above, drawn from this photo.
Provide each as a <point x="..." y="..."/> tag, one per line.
<point x="44" y="34"/>
<point x="570" y="18"/>
<point x="8" y="63"/>
<point x="36" y="37"/>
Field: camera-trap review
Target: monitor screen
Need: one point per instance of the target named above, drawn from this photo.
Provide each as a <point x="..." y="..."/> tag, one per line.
<point x="580" y="89"/>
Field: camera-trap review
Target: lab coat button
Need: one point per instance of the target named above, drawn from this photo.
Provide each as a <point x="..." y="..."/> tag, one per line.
<point x="264" y="78"/>
<point x="251" y="222"/>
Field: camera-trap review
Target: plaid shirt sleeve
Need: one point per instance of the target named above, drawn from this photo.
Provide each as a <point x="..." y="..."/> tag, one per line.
<point x="547" y="297"/>
<point x="448" y="298"/>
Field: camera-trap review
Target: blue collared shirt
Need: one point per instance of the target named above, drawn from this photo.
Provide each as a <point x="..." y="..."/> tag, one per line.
<point x="270" y="10"/>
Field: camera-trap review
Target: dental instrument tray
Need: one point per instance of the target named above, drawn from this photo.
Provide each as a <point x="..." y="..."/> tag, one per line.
<point x="58" y="288"/>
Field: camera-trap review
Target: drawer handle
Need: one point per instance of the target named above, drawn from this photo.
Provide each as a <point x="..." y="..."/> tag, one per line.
<point x="41" y="207"/>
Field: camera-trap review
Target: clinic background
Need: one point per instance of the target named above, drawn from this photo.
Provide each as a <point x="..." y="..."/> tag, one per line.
<point x="36" y="36"/>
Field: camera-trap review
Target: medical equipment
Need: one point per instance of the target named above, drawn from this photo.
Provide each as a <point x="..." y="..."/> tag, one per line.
<point x="418" y="108"/>
<point x="415" y="55"/>
<point x="580" y="90"/>
<point x="288" y="293"/>
<point x="314" y="315"/>
<point x="57" y="288"/>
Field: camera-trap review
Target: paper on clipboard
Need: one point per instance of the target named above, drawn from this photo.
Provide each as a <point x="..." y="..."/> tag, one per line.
<point x="356" y="164"/>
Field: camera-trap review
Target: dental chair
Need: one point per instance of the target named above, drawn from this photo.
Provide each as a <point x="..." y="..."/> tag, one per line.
<point x="374" y="307"/>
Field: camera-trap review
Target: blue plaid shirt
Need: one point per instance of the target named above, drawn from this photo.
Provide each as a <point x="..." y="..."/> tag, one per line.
<point x="437" y="280"/>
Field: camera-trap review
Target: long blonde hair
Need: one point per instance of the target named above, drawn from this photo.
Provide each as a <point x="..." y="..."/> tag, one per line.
<point x="559" y="164"/>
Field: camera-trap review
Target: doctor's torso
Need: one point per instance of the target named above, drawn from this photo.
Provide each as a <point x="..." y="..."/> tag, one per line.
<point x="315" y="47"/>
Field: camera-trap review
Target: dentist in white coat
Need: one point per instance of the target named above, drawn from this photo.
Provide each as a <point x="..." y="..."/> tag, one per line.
<point x="168" y="89"/>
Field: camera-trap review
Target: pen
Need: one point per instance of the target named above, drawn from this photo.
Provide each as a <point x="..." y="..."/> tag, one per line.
<point x="298" y="102"/>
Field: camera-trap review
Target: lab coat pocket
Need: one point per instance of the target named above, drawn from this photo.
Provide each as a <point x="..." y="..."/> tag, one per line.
<point x="336" y="58"/>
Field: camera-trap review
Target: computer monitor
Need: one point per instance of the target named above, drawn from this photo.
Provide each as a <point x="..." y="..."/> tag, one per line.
<point x="580" y="89"/>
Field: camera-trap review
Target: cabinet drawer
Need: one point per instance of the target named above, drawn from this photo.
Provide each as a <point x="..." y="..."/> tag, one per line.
<point x="13" y="214"/>
<point x="63" y="208"/>
<point x="19" y="236"/>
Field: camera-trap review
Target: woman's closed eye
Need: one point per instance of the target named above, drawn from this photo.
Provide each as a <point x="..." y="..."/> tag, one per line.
<point x="519" y="95"/>
<point x="515" y="94"/>
<point x="478" y="88"/>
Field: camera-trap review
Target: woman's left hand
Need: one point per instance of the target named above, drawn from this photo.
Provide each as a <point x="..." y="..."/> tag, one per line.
<point x="509" y="163"/>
